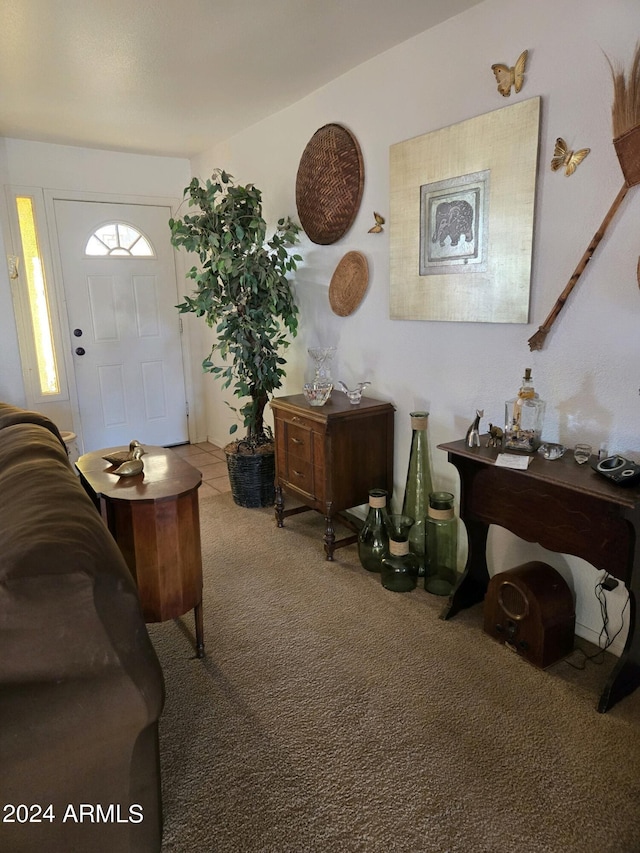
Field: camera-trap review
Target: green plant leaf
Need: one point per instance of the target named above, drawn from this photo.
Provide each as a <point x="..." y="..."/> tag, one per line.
<point x="242" y="290"/>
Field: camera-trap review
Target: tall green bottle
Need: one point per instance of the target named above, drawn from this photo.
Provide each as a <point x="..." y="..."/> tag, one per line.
<point x="418" y="487"/>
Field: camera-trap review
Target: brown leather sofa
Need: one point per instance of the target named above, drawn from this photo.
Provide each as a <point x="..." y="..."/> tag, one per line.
<point x="81" y="688"/>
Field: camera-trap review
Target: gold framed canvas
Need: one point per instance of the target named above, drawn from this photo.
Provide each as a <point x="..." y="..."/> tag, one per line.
<point x="462" y="204"/>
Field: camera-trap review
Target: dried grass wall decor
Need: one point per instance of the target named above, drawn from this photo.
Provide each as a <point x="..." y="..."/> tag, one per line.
<point x="625" y="115"/>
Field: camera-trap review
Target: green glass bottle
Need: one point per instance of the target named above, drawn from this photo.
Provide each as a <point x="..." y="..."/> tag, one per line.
<point x="399" y="569"/>
<point x="373" y="539"/>
<point x="418" y="486"/>
<point x="442" y="545"/>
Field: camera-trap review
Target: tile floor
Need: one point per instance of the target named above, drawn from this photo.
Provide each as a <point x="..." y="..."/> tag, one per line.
<point x="212" y="464"/>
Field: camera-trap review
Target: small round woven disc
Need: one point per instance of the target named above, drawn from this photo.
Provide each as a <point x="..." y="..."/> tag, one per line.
<point x="348" y="284"/>
<point x="329" y="184"/>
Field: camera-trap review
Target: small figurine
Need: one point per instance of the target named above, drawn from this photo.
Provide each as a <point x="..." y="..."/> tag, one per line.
<point x="120" y="456"/>
<point x="377" y="228"/>
<point x="495" y="436"/>
<point x="132" y="466"/>
<point x="562" y="156"/>
<point x="473" y="433"/>
<point x="506" y="76"/>
<point x="354" y="396"/>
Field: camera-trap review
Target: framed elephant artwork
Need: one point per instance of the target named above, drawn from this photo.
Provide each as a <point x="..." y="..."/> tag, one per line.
<point x="454" y="225"/>
<point x="462" y="204"/>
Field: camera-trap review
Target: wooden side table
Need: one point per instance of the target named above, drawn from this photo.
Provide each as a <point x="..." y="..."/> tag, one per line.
<point x="330" y="456"/>
<point x="564" y="507"/>
<point x="154" y="519"/>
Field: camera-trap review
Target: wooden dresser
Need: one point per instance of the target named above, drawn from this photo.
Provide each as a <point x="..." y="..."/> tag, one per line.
<point x="330" y="456"/>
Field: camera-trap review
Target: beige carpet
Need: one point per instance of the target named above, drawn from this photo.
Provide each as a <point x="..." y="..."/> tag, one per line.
<point x="332" y="715"/>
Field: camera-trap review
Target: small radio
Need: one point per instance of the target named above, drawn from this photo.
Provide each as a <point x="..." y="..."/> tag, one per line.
<point x="621" y="471"/>
<point x="531" y="610"/>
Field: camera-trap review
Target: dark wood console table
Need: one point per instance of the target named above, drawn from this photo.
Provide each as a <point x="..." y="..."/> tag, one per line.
<point x="330" y="456"/>
<point x="564" y="507"/>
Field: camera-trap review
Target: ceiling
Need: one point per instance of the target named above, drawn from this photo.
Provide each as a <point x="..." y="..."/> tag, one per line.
<point x="175" y="77"/>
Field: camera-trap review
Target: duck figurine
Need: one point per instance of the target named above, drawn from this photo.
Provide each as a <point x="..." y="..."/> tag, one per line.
<point x="120" y="456"/>
<point x="354" y="396"/>
<point x="132" y="466"/>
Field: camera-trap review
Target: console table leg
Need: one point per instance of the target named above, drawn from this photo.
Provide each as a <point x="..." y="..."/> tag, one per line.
<point x="197" y="612"/>
<point x="279" y="506"/>
<point x="472" y="586"/>
<point x="626" y="674"/>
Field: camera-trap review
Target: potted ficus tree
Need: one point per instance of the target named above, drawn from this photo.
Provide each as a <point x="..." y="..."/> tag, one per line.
<point x="242" y="291"/>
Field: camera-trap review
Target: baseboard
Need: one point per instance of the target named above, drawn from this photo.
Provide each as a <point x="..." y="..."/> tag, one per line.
<point x="616" y="648"/>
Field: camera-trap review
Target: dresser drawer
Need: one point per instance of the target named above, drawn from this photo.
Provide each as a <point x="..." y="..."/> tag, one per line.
<point x="298" y="441"/>
<point x="299" y="474"/>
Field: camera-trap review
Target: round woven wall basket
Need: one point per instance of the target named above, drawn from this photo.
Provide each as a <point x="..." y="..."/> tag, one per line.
<point x="348" y="284"/>
<point x="329" y="184"/>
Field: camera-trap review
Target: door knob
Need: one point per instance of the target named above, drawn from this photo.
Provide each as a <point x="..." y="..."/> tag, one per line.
<point x="77" y="333"/>
<point x="80" y="350"/>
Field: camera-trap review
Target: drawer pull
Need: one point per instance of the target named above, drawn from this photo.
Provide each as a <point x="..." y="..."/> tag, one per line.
<point x="296" y="420"/>
<point x="297" y="441"/>
<point x="298" y="473"/>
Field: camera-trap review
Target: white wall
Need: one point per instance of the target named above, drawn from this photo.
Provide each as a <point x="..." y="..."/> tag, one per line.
<point x="65" y="167"/>
<point x="588" y="371"/>
<point x="11" y="383"/>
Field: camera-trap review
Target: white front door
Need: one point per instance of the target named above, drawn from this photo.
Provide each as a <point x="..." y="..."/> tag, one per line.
<point x="124" y="327"/>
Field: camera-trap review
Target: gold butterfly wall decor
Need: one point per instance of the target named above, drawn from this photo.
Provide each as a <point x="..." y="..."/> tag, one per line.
<point x="569" y="159"/>
<point x="508" y="77"/>
<point x="377" y="228"/>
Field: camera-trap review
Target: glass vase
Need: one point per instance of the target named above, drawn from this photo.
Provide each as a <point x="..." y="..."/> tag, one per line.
<point x="399" y="568"/>
<point x="322" y="358"/>
<point x="373" y="539"/>
<point x="442" y="545"/>
<point x="418" y="486"/>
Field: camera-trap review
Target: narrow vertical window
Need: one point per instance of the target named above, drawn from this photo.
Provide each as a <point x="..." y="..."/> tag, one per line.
<point x="38" y="302"/>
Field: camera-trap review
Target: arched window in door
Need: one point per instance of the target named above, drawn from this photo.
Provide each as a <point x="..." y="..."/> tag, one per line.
<point x="120" y="240"/>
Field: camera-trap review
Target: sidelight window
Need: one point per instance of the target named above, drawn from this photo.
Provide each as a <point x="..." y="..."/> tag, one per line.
<point x="40" y="314"/>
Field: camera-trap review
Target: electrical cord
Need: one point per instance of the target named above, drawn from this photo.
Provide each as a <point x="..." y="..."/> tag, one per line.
<point x="598" y="657"/>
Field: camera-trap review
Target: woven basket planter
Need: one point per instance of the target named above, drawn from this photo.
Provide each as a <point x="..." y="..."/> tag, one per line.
<point x="252" y="478"/>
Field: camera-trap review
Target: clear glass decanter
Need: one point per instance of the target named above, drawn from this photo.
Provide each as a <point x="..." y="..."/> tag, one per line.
<point x="523" y="418"/>
<point x="322" y="358"/>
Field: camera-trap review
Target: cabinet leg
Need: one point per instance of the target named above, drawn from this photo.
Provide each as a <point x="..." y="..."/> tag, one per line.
<point x="197" y="612"/>
<point x="279" y="506"/>
<point x="329" y="537"/>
